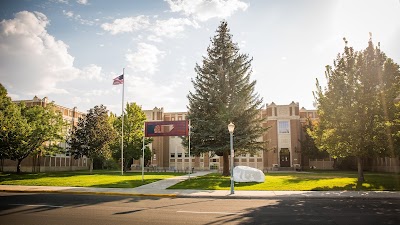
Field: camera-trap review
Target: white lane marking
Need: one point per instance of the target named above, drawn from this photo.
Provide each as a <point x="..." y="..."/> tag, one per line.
<point x="196" y="212"/>
<point x="50" y="206"/>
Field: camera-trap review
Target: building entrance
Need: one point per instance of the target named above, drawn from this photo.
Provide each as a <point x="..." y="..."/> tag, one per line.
<point x="284" y="157"/>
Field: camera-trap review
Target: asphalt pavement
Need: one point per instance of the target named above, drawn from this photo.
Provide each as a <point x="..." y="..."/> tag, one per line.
<point x="159" y="189"/>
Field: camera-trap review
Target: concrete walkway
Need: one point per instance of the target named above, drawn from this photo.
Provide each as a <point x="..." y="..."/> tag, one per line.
<point x="158" y="189"/>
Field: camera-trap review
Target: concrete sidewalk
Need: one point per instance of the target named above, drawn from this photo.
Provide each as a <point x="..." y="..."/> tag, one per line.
<point x="158" y="189"/>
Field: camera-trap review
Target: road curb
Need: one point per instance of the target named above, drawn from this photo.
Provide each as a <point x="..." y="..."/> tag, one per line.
<point x="215" y="196"/>
<point x="93" y="193"/>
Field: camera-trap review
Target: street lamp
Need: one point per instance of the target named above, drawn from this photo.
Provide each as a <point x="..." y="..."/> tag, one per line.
<point x="231" y="128"/>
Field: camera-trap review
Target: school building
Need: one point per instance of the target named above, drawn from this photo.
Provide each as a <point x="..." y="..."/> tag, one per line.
<point x="282" y="150"/>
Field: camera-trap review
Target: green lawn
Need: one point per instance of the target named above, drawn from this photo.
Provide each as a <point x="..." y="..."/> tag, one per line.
<point x="83" y="179"/>
<point x="318" y="180"/>
<point x="315" y="181"/>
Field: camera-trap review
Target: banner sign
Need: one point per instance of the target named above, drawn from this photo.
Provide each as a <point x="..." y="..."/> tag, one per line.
<point x="167" y="128"/>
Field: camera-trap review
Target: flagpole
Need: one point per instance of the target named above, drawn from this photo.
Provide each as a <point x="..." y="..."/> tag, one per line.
<point x="143" y="152"/>
<point x="122" y="128"/>
<point x="190" y="159"/>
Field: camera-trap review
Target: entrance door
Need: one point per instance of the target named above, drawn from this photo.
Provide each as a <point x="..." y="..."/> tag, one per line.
<point x="285" y="157"/>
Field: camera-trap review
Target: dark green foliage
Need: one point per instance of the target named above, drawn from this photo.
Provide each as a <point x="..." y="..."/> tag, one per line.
<point x="357" y="111"/>
<point x="93" y="135"/>
<point x="224" y="93"/>
<point x="308" y="146"/>
<point x="8" y="113"/>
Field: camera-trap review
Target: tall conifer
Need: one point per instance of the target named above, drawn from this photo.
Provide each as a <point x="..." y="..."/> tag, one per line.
<point x="224" y="93"/>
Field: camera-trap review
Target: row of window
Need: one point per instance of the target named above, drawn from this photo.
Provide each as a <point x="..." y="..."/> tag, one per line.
<point x="179" y="155"/>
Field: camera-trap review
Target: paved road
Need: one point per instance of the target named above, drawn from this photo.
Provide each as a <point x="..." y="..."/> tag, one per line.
<point x="46" y="209"/>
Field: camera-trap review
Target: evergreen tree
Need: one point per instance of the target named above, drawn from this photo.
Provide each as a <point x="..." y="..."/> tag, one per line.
<point x="224" y="93"/>
<point x="357" y="110"/>
<point x="93" y="135"/>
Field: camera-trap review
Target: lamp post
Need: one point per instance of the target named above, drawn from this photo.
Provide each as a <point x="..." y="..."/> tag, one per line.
<point x="231" y="128"/>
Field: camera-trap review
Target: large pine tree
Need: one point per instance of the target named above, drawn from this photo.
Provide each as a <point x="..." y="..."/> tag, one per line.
<point x="224" y="93"/>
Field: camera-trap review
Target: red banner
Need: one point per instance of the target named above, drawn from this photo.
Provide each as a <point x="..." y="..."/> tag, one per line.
<point x="167" y="128"/>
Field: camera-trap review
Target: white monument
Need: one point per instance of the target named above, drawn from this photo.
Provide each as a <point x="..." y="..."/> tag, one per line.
<point x="248" y="174"/>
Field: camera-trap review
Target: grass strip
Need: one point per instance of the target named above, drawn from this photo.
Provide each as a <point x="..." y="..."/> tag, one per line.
<point x="313" y="181"/>
<point x="103" y="179"/>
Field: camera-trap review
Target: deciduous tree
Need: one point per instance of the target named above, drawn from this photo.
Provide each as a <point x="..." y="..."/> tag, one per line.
<point x="134" y="119"/>
<point x="93" y="135"/>
<point x="357" y="110"/>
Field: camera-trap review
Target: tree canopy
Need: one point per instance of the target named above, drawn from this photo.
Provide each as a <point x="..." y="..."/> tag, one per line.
<point x="25" y="130"/>
<point x="9" y="115"/>
<point x="93" y="135"/>
<point x="224" y="93"/>
<point x="134" y="119"/>
<point x="357" y="109"/>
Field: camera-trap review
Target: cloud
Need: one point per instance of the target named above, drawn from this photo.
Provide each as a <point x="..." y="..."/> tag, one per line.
<point x="127" y="25"/>
<point x="150" y="94"/>
<point x="206" y="9"/>
<point x="97" y="93"/>
<point x="145" y="59"/>
<point x="78" y="18"/>
<point x="91" y="72"/>
<point x="171" y="27"/>
<point x="83" y="2"/>
<point x="78" y="100"/>
<point x="32" y="62"/>
<point x="62" y="1"/>
<point x="154" y="38"/>
<point x="69" y="14"/>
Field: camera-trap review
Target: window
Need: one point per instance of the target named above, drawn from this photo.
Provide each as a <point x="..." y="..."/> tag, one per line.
<point x="283" y="127"/>
<point x="172" y="155"/>
<point x="213" y="167"/>
<point x="179" y="155"/>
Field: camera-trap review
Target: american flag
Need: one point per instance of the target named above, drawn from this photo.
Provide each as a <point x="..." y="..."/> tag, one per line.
<point x="118" y="80"/>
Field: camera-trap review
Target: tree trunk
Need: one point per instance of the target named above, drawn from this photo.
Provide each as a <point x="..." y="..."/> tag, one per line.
<point x="2" y="165"/>
<point x="19" y="166"/>
<point x="39" y="161"/>
<point x="360" y="170"/>
<point x="126" y="165"/>
<point x="91" y="166"/>
<point x="225" y="158"/>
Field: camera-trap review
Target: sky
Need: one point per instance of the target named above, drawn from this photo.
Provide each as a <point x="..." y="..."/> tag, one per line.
<point x="71" y="50"/>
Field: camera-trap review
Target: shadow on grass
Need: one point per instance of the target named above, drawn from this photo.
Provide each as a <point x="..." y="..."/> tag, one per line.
<point x="108" y="179"/>
<point x="31" y="176"/>
<point x="373" y="182"/>
<point x="126" y="183"/>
